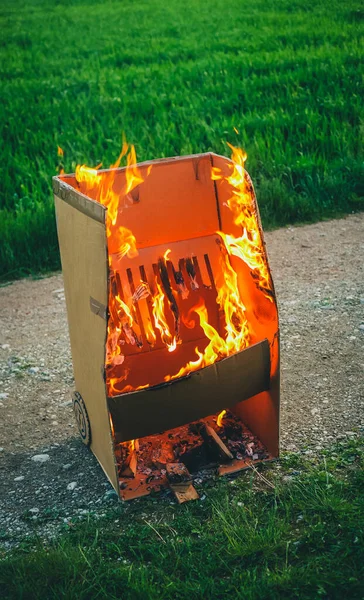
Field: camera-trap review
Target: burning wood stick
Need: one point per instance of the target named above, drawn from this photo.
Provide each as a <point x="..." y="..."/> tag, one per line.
<point x="215" y="444"/>
<point x="129" y="468"/>
<point x="192" y="274"/>
<point x="122" y="315"/>
<point x="180" y="482"/>
<point x="131" y="336"/>
<point x="163" y="272"/>
<point x="141" y="291"/>
<point x="146" y="308"/>
<point x="179" y="279"/>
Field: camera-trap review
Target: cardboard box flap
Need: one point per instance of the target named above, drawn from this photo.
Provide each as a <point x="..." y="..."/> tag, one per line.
<point x="203" y="393"/>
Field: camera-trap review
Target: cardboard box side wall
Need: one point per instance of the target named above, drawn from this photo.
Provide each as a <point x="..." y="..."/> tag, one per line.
<point x="82" y="241"/>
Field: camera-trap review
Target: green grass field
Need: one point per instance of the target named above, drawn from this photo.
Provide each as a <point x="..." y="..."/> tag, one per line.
<point x="177" y="77"/>
<point x="301" y="535"/>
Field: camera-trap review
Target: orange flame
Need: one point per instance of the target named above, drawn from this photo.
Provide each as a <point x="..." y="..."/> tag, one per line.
<point x="111" y="426"/>
<point x="160" y="321"/>
<point x="102" y="184"/>
<point x="121" y="242"/>
<point x="123" y="327"/>
<point x="236" y="327"/>
<point x="220" y="418"/>
<point x="249" y="247"/>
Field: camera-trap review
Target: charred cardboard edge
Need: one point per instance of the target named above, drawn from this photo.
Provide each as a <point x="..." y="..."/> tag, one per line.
<point x="218" y="386"/>
<point x="66" y="192"/>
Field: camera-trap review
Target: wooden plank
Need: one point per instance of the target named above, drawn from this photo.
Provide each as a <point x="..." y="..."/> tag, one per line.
<point x="180" y="482"/>
<point x="177" y="473"/>
<point x="185" y="494"/>
<point x="239" y="465"/>
<point x="129" y="467"/>
<point x="215" y="442"/>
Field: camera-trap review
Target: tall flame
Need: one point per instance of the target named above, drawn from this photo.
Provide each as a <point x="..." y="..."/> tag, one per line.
<point x="160" y="320"/>
<point x="122" y="327"/>
<point x="249" y="247"/>
<point x="101" y="184"/>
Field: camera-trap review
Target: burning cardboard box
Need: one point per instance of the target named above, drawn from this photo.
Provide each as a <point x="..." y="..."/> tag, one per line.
<point x="172" y="317"/>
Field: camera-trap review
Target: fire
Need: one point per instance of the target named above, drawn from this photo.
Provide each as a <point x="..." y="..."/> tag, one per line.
<point x="92" y="180"/>
<point x="220" y="418"/>
<point x="133" y="175"/>
<point x="123" y="243"/>
<point x="248" y="247"/>
<point x="155" y="309"/>
<point x="111" y="426"/>
<point x="124" y="309"/>
<point x="160" y="321"/>
<point x="60" y="168"/>
<point x="122" y="327"/>
<point x="236" y="325"/>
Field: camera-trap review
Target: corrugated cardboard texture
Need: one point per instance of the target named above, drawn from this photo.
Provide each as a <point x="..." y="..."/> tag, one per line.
<point x="84" y="263"/>
<point x="205" y="392"/>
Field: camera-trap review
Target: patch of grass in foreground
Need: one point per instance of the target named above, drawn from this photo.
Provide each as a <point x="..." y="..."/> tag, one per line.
<point x="177" y="77"/>
<point x="246" y="540"/>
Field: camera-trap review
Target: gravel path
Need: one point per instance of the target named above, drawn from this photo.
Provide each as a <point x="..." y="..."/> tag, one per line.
<point x="319" y="277"/>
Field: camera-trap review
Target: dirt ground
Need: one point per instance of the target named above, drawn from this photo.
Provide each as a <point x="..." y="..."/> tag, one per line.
<point x="318" y="272"/>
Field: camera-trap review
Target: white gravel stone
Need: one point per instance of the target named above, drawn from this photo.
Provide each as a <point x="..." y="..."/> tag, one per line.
<point x="71" y="486"/>
<point x="40" y="458"/>
<point x="20" y="478"/>
<point x="3" y="396"/>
